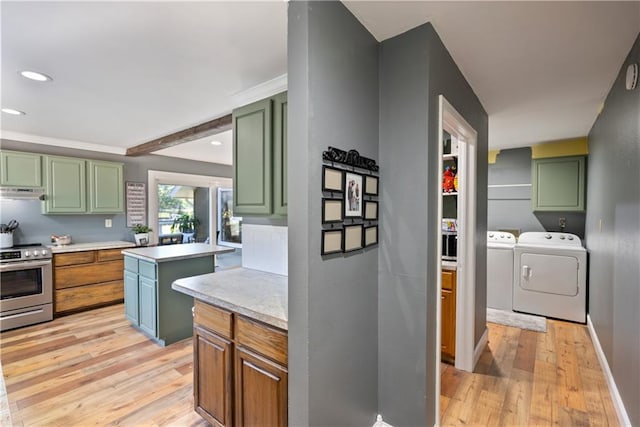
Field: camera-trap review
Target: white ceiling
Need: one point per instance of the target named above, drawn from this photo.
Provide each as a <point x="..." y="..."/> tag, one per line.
<point x="127" y="73"/>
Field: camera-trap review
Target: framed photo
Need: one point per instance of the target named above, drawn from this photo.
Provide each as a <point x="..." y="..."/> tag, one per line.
<point x="371" y="185"/>
<point x="370" y="237"/>
<point x="352" y="195"/>
<point x="352" y="237"/>
<point x="332" y="241"/>
<point x="370" y="210"/>
<point x="332" y="210"/>
<point x="332" y="179"/>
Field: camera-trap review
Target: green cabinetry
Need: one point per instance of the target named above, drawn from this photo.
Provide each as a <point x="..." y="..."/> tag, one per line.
<point x="558" y="184"/>
<point x="76" y="185"/>
<point x="259" y="157"/>
<point x="20" y="169"/>
<point x="151" y="305"/>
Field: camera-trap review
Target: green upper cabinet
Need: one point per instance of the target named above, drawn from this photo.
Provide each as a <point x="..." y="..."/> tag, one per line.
<point x="65" y="185"/>
<point x="106" y="187"/>
<point x="260" y="157"/>
<point x="558" y="184"/>
<point x="20" y="169"/>
<point x="280" y="154"/>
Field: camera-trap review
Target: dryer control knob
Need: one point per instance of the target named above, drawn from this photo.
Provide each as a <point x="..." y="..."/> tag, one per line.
<point x="502" y="236"/>
<point x="561" y="237"/>
<point x="547" y="236"/>
<point x="570" y="237"/>
<point x="491" y="234"/>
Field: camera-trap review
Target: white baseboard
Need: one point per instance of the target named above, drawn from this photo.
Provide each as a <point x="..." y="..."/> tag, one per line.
<point x="623" y="417"/>
<point x="484" y="339"/>
<point x="380" y="423"/>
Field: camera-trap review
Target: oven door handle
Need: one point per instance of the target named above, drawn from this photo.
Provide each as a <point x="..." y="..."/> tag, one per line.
<point x="15" y="266"/>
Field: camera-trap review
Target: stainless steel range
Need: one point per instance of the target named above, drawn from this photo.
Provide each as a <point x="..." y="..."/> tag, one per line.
<point x="26" y="286"/>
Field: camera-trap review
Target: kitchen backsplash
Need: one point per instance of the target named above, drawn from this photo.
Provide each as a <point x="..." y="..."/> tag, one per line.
<point x="265" y="248"/>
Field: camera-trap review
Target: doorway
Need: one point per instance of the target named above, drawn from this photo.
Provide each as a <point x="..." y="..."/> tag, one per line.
<point x="456" y="228"/>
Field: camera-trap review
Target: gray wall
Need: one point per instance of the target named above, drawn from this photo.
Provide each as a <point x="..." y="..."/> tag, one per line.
<point x="333" y="98"/>
<point x="613" y="197"/>
<point x="510" y="207"/>
<point x="415" y="68"/>
<point x="35" y="227"/>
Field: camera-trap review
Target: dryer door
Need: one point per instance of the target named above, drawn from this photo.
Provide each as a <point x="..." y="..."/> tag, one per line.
<point x="551" y="274"/>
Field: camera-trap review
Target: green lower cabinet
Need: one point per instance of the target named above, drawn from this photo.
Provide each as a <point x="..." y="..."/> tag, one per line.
<point x="106" y="187"/>
<point x="558" y="184"/>
<point x="152" y="306"/>
<point x="19" y="169"/>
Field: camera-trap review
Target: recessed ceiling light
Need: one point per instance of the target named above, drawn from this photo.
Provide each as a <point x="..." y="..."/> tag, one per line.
<point x="34" y="75"/>
<point x="13" y="112"/>
<point x="216" y="143"/>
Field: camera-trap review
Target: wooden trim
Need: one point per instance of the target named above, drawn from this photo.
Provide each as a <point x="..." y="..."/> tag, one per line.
<point x="212" y="127"/>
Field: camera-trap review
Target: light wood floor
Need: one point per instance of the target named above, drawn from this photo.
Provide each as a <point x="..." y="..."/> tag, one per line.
<point x="94" y="369"/>
<point x="530" y="378"/>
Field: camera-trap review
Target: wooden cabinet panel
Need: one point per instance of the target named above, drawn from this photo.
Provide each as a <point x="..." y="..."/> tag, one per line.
<point x="70" y="299"/>
<point x="213" y="384"/>
<point x="79" y="275"/>
<point x="280" y="161"/>
<point x="65" y="185"/>
<point x="263" y="339"/>
<point x="558" y="184"/>
<point x="213" y="318"/>
<point x="448" y="279"/>
<point x="109" y="254"/>
<point x="448" y="334"/>
<point x="106" y="187"/>
<point x="252" y="145"/>
<point x="261" y="391"/>
<point x="20" y="169"/>
<point x="74" y="258"/>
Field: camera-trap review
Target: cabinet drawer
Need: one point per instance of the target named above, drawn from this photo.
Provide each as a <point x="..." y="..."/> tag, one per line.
<point x="131" y="264"/>
<point x="66" y="277"/>
<point x="87" y="296"/>
<point x="73" y="258"/>
<point x="263" y="339"/>
<point x="147" y="269"/>
<point x="109" y="254"/>
<point x="212" y="318"/>
<point x="448" y="279"/>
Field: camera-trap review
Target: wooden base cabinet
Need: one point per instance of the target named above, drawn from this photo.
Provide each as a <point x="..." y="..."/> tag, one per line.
<point x="240" y="369"/>
<point x="448" y="311"/>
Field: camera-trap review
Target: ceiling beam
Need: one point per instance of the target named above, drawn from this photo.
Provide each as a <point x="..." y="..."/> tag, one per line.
<point x="202" y="130"/>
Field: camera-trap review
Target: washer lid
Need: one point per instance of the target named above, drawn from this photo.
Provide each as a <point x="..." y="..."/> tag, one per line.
<point x="554" y="239"/>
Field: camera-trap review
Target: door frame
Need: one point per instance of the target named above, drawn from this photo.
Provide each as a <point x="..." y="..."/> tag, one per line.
<point x="453" y="122"/>
<point x="175" y="178"/>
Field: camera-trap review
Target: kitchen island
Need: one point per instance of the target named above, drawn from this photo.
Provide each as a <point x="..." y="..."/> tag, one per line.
<point x="240" y="346"/>
<point x="151" y="305"/>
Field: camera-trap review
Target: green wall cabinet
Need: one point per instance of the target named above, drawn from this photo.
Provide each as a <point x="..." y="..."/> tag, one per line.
<point x="65" y="185"/>
<point x="106" y="187"/>
<point x="558" y="184"/>
<point x="74" y="185"/>
<point x="260" y="157"/>
<point x="20" y="169"/>
<point x="150" y="304"/>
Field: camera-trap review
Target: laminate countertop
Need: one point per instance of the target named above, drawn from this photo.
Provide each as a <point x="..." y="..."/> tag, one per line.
<point x="252" y="293"/>
<point x="175" y="252"/>
<point x="94" y="246"/>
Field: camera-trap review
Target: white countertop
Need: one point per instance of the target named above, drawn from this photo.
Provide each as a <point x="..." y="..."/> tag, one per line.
<point x="449" y="265"/>
<point x="252" y="293"/>
<point x="79" y="247"/>
<point x="176" y="252"/>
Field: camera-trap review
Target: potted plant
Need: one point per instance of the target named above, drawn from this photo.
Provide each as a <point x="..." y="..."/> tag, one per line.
<point x="186" y="224"/>
<point x="141" y="234"/>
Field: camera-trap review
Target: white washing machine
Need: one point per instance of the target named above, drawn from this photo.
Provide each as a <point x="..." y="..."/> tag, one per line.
<point x="550" y="276"/>
<point x="500" y="269"/>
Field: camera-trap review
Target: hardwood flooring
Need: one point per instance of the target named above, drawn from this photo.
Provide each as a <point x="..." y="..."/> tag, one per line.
<point x="93" y="368"/>
<point x="526" y="378"/>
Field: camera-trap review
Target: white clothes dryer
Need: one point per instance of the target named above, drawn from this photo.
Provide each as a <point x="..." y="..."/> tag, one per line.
<point x="500" y="270"/>
<point x="550" y="276"/>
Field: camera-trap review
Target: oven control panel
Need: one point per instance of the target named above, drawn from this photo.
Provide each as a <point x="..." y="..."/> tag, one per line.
<point x="9" y="255"/>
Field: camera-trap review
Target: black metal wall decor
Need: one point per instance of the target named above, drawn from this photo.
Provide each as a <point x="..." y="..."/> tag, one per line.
<point x="349" y="158"/>
<point x="350" y="217"/>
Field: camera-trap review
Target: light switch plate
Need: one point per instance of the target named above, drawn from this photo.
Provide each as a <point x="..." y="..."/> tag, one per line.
<point x="108" y="223"/>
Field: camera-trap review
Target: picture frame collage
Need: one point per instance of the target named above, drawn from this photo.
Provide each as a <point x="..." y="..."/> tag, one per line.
<point x="350" y="210"/>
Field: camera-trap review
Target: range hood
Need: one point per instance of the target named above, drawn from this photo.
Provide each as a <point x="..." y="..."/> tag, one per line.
<point x="18" y="193"/>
